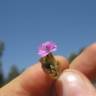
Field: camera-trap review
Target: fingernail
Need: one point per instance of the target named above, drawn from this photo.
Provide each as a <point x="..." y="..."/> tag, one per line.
<point x="72" y="84"/>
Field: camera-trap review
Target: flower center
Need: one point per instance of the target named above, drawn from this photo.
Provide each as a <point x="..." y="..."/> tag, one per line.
<point x="47" y="48"/>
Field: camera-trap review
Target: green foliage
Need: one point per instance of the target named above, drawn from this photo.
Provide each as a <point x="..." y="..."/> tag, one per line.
<point x="1" y="71"/>
<point x="81" y="50"/>
<point x="1" y="76"/>
<point x="1" y="48"/>
<point x="14" y="72"/>
<point x="74" y="55"/>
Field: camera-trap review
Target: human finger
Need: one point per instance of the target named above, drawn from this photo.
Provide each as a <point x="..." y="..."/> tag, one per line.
<point x="74" y="83"/>
<point x="86" y="62"/>
<point x="34" y="81"/>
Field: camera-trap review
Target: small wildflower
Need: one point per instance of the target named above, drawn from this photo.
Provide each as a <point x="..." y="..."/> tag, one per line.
<point x="48" y="62"/>
<point x="47" y="48"/>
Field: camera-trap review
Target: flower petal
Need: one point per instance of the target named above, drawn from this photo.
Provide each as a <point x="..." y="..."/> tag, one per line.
<point x="46" y="48"/>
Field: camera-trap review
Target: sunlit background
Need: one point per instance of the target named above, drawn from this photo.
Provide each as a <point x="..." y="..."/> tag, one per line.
<point x="24" y="24"/>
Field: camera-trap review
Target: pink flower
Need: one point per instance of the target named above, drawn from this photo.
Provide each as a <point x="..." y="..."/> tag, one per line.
<point x="47" y="48"/>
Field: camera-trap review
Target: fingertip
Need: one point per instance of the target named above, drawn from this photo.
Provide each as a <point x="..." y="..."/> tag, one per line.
<point x="74" y="83"/>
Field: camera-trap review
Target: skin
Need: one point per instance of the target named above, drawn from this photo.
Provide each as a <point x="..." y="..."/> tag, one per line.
<point x="74" y="80"/>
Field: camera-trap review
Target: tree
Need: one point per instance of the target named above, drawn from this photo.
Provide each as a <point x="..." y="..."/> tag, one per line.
<point x="1" y="76"/>
<point x="14" y="72"/>
<point x="1" y="48"/>
<point x="74" y="55"/>
<point x="1" y="71"/>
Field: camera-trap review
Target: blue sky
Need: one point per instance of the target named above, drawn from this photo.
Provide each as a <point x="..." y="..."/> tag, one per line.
<point x="24" y="24"/>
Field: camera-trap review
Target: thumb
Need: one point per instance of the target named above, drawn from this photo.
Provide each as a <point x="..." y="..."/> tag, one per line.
<point x="74" y="83"/>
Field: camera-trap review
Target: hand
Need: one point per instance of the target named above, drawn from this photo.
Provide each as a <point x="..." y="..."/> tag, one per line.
<point x="74" y="81"/>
